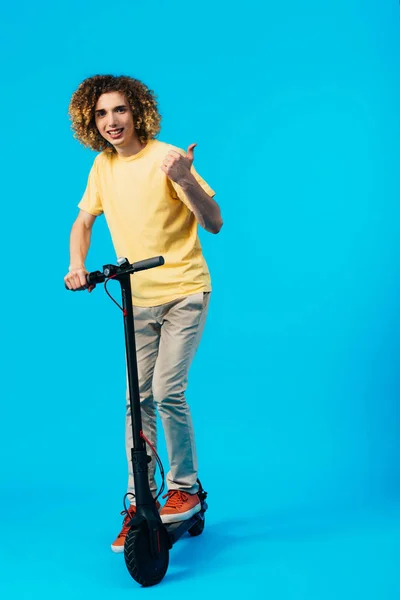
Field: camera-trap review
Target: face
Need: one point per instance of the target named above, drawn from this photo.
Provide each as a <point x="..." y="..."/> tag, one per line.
<point x="114" y="120"/>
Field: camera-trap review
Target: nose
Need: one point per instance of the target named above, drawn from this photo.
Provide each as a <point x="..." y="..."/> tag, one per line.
<point x="111" y="121"/>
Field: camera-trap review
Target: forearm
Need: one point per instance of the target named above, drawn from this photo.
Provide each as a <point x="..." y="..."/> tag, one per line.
<point x="205" y="209"/>
<point x="79" y="245"/>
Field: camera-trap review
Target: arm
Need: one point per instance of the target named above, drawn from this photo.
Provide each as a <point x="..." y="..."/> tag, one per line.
<point x="205" y="209"/>
<point x="80" y="236"/>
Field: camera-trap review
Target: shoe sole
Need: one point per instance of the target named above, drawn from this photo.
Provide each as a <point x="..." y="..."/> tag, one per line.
<point x="178" y="517"/>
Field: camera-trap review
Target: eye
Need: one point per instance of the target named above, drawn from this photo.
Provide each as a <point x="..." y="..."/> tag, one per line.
<point x="121" y="109"/>
<point x="100" y="113"/>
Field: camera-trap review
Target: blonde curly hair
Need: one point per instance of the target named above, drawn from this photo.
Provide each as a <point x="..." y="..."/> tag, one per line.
<point x="141" y="99"/>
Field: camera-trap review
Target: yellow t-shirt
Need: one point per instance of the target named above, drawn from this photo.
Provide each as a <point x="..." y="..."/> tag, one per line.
<point x="149" y="215"/>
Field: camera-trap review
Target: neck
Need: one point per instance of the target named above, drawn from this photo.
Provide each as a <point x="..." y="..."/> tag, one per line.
<point x="130" y="149"/>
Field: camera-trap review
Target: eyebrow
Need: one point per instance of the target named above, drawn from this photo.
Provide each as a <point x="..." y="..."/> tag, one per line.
<point x="115" y="108"/>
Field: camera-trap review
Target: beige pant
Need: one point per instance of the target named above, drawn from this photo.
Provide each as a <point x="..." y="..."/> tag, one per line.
<point x="167" y="338"/>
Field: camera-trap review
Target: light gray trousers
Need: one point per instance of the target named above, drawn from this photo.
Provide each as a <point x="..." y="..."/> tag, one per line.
<point x="167" y="338"/>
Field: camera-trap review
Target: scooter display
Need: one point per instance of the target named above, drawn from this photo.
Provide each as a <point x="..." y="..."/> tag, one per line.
<point x="149" y="540"/>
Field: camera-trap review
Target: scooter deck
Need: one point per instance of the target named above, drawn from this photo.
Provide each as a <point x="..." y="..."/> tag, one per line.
<point x="176" y="530"/>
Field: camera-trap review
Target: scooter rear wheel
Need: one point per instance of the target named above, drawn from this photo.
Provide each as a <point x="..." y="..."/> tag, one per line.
<point x="198" y="527"/>
<point x="146" y="569"/>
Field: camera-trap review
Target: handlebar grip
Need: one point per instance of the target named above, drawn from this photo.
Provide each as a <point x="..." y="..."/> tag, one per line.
<point x="92" y="279"/>
<point x="148" y="263"/>
<point x="95" y="277"/>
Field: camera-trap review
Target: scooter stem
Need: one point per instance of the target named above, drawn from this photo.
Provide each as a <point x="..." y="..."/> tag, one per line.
<point x="130" y="344"/>
<point x="139" y="456"/>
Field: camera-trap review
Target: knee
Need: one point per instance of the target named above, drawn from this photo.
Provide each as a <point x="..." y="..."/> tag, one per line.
<point x="146" y="400"/>
<point x="168" y="394"/>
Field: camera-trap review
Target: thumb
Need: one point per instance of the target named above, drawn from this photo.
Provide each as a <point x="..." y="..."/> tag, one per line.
<point x="190" y="153"/>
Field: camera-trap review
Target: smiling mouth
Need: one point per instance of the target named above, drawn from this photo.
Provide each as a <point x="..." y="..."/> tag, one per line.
<point x="114" y="133"/>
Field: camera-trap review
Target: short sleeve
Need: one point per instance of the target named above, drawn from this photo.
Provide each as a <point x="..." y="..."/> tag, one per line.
<point x="91" y="200"/>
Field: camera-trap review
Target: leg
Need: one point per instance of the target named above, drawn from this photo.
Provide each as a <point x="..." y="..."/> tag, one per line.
<point x="182" y="327"/>
<point x="147" y="337"/>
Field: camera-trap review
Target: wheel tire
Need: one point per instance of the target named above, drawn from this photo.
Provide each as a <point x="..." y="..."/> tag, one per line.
<point x="142" y="566"/>
<point x="198" y="527"/>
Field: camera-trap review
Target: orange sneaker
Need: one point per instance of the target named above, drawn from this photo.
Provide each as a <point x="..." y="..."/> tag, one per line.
<point x="179" y="506"/>
<point x="118" y="545"/>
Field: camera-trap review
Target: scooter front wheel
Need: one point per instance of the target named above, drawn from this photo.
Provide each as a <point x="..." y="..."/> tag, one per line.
<point x="145" y="568"/>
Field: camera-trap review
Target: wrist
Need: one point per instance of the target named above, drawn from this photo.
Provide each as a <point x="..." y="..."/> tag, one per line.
<point x="187" y="181"/>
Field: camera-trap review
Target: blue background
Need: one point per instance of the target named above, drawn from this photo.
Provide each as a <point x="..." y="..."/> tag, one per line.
<point x="294" y="391"/>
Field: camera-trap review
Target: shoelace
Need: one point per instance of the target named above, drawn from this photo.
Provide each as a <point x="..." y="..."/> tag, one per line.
<point x="175" y="499"/>
<point x="128" y="515"/>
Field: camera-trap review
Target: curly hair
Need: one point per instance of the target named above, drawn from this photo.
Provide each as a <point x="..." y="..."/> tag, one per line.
<point x="140" y="98"/>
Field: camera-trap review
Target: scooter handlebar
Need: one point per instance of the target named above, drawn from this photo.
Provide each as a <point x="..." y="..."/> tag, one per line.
<point x="96" y="277"/>
<point x="148" y="263"/>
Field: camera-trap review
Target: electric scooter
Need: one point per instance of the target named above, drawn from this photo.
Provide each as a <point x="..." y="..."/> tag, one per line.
<point x="149" y="540"/>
